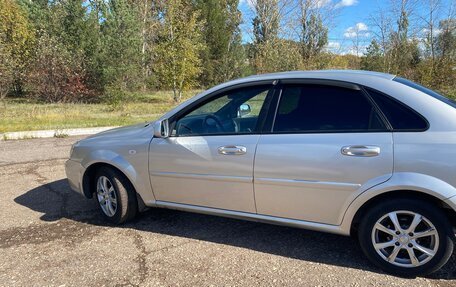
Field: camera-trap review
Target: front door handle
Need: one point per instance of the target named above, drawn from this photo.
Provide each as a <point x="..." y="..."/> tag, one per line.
<point x="361" y="150"/>
<point x="232" y="150"/>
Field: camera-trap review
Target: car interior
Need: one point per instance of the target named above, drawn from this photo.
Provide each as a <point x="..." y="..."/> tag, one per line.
<point x="232" y="113"/>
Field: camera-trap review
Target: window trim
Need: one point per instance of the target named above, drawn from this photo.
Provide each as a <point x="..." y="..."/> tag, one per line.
<point x="333" y="83"/>
<point x="200" y="102"/>
<point x="403" y="104"/>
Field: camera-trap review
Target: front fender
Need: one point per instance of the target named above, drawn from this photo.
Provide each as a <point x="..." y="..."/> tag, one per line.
<point x="140" y="183"/>
<point x="112" y="158"/>
<point x="399" y="181"/>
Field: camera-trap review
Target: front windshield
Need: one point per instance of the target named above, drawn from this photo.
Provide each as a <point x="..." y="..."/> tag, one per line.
<point x="426" y="91"/>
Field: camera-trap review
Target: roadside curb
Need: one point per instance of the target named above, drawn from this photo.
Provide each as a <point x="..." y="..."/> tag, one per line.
<point x="58" y="133"/>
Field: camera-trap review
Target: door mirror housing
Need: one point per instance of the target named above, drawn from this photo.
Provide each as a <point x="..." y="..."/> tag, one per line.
<point x="161" y="129"/>
<point x="244" y="110"/>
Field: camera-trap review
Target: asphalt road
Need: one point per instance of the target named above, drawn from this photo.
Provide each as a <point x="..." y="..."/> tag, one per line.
<point x="50" y="236"/>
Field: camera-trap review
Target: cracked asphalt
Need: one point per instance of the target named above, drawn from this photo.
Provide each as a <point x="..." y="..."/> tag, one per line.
<point x="50" y="236"/>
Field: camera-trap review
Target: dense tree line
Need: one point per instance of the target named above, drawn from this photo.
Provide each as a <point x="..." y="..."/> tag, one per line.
<point x="90" y="50"/>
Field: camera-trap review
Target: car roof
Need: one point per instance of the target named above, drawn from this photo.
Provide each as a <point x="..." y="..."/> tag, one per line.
<point x="326" y="74"/>
<point x="350" y="76"/>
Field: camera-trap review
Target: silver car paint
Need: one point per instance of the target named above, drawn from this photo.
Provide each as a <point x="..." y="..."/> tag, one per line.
<point x="423" y="161"/>
<point x="451" y="202"/>
<point x="125" y="148"/>
<point x="190" y="170"/>
<point x="300" y="175"/>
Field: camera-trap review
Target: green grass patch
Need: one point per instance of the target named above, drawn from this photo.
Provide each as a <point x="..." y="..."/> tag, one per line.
<point x="22" y="115"/>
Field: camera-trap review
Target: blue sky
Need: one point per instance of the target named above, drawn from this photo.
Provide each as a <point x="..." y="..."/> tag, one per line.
<point x="354" y="15"/>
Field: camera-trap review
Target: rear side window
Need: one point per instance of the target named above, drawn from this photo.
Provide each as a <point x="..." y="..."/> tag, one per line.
<point x="401" y="117"/>
<point x="320" y="108"/>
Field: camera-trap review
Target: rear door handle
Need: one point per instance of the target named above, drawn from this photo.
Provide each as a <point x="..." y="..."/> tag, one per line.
<point x="361" y="150"/>
<point x="232" y="150"/>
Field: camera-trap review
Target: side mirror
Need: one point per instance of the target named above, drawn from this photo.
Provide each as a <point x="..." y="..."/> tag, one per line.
<point x="161" y="129"/>
<point x="244" y="110"/>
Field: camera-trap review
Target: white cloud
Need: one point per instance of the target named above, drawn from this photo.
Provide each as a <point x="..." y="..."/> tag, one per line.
<point x="359" y="30"/>
<point x="361" y="26"/>
<point x="354" y="51"/>
<point x="435" y="32"/>
<point x="333" y="45"/>
<point x="322" y="3"/>
<point x="346" y="3"/>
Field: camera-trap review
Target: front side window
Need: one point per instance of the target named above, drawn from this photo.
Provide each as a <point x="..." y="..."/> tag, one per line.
<point x="320" y="108"/>
<point x="233" y="112"/>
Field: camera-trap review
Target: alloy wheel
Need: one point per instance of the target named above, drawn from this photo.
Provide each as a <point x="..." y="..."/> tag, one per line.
<point x="106" y="196"/>
<point x="405" y="238"/>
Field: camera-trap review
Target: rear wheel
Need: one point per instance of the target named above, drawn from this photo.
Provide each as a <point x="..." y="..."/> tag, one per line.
<point x="115" y="195"/>
<point x="406" y="237"/>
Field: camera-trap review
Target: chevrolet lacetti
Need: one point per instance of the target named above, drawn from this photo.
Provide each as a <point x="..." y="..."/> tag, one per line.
<point x="347" y="152"/>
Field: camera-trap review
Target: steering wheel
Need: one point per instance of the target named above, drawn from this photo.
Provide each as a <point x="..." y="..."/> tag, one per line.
<point x="218" y="122"/>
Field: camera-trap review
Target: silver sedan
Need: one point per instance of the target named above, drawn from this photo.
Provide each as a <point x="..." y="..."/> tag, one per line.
<point x="348" y="152"/>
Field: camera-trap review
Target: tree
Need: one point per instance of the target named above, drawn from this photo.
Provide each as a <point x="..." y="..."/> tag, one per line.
<point x="267" y="45"/>
<point x="267" y="20"/>
<point x="121" y="46"/>
<point x="54" y="75"/>
<point x="313" y="34"/>
<point x="446" y="53"/>
<point x="373" y="58"/>
<point x="271" y="58"/>
<point x="404" y="53"/>
<point x="224" y="58"/>
<point x="150" y="14"/>
<point x="382" y="23"/>
<point x="6" y="71"/>
<point x="446" y="41"/>
<point x="17" y="38"/>
<point x="178" y="48"/>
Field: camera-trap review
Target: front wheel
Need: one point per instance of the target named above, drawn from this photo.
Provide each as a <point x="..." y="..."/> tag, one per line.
<point x="406" y="237"/>
<point x="115" y="195"/>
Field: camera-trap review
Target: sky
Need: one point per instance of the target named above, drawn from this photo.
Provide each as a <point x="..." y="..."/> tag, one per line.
<point x="351" y="16"/>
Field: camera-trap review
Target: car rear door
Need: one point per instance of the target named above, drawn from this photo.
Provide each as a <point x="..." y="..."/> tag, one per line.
<point x="327" y="143"/>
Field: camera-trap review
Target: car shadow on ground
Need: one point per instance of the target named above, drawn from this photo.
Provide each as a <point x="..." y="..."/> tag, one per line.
<point x="56" y="201"/>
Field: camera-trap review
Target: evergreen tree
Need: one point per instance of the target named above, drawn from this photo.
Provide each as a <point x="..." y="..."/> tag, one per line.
<point x="121" y="45"/>
<point x="224" y="57"/>
<point x="373" y="58"/>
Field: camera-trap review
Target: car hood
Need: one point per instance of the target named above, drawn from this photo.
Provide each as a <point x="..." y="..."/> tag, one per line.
<point x="123" y="132"/>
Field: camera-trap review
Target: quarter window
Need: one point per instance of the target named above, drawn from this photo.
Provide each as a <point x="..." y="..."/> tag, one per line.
<point x="401" y="117"/>
<point x="320" y="108"/>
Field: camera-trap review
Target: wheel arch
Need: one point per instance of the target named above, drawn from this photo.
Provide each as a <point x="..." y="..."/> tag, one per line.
<point x="397" y="194"/>
<point x="88" y="181"/>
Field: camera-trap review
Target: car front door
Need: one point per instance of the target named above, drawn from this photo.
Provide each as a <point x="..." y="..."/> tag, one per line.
<point x="208" y="159"/>
<point x="328" y="142"/>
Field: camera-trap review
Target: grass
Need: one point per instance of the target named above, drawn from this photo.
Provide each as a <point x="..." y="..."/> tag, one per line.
<point x="22" y="115"/>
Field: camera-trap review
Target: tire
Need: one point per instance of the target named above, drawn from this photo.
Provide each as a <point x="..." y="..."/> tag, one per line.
<point x="119" y="204"/>
<point x="439" y="241"/>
